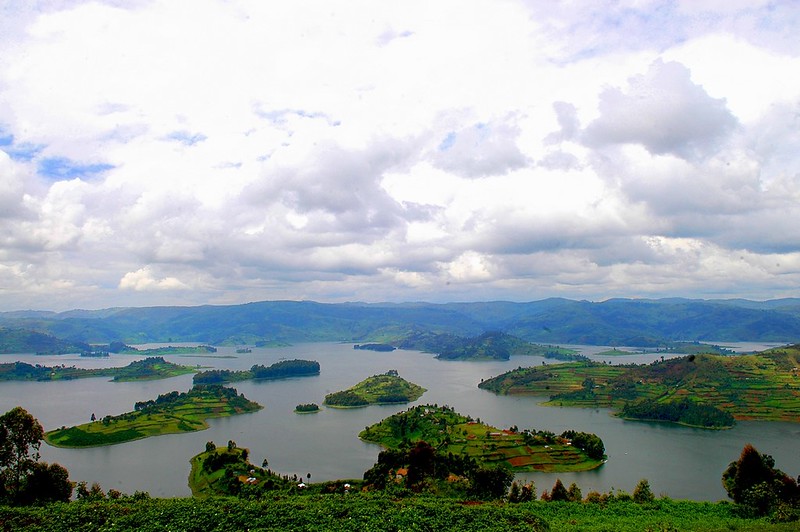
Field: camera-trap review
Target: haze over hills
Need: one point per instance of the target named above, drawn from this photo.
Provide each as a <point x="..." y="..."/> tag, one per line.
<point x="613" y="322"/>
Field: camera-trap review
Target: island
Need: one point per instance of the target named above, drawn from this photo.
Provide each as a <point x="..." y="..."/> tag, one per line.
<point x="169" y="413"/>
<point x="307" y="408"/>
<point x="387" y="388"/>
<point x="121" y="348"/>
<point x="279" y="370"/>
<point x="452" y="433"/>
<point x="491" y="345"/>
<point x="150" y="368"/>
<point x="386" y="348"/>
<point x="704" y="390"/>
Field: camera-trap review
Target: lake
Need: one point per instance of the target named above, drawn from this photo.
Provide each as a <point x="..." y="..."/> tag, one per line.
<point x="681" y="462"/>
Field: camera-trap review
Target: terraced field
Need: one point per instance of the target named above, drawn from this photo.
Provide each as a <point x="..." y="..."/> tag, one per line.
<point x="763" y="386"/>
<point x="454" y="433"/>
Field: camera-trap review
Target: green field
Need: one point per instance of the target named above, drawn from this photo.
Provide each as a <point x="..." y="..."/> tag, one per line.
<point x="451" y="432"/>
<point x="763" y="386"/>
<point x="168" y="414"/>
<point x="388" y="388"/>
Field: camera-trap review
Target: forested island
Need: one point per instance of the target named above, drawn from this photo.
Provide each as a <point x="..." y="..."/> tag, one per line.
<point x="386" y="348"/>
<point x="306" y="408"/>
<point x="170" y="413"/>
<point x="379" y="389"/>
<point x="279" y="370"/>
<point x="453" y="433"/>
<point x="700" y="390"/>
<point x="491" y="345"/>
<point x="150" y="368"/>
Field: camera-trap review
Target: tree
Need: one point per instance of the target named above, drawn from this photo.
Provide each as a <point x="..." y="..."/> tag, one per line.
<point x="46" y="483"/>
<point x="559" y="492"/>
<point x="20" y="433"/>
<point x="490" y="482"/>
<point x="754" y="482"/>
<point x="210" y="447"/>
<point x="642" y="493"/>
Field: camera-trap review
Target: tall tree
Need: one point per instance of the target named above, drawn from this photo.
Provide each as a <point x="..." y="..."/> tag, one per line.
<point x="20" y="437"/>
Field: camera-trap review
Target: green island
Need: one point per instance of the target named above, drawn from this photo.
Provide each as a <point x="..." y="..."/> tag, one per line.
<point x="150" y="368"/>
<point x="388" y="388"/>
<point x="279" y="370"/>
<point x="307" y="408"/>
<point x="488" y="346"/>
<point x="170" y="413"/>
<point x="453" y="433"/>
<point x="119" y="347"/>
<point x="705" y="390"/>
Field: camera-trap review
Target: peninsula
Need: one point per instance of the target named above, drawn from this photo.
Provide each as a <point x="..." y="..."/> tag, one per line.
<point x="150" y="368"/>
<point x="703" y="390"/>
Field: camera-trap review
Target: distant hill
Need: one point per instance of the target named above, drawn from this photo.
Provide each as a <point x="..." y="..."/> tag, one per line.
<point x="645" y="323"/>
<point x="26" y="341"/>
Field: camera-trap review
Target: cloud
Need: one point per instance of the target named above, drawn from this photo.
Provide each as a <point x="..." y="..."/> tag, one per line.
<point x="143" y="280"/>
<point x="664" y="111"/>
<point x="371" y="152"/>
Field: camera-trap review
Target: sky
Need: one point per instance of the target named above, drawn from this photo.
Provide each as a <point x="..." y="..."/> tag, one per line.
<point x="186" y="152"/>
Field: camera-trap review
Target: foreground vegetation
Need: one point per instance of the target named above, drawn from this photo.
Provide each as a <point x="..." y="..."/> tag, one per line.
<point x="150" y="368"/>
<point x="168" y="414"/>
<point x="763" y="386"/>
<point x="357" y="511"/>
<point x="278" y="370"/>
<point x="388" y="388"/>
<point x="452" y="433"/>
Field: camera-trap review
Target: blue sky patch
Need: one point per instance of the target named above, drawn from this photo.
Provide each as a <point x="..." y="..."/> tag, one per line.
<point x="184" y="137"/>
<point x="63" y="168"/>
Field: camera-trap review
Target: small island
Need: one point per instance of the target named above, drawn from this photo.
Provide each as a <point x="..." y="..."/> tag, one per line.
<point x="170" y="413"/>
<point x="388" y="388"/>
<point x="452" y="433"/>
<point x="278" y="370"/>
<point x="705" y="390"/>
<point x="386" y="348"/>
<point x="150" y="368"/>
<point x="307" y="408"/>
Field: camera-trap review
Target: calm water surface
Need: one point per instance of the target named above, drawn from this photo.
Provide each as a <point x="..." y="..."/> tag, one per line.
<point x="678" y="461"/>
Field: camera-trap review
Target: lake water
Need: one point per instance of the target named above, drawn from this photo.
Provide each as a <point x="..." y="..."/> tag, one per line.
<point x="680" y="462"/>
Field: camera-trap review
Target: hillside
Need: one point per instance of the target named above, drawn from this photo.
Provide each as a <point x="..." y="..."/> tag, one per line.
<point x="388" y="388"/>
<point x="487" y="346"/>
<point x="762" y="386"/>
<point x="646" y="323"/>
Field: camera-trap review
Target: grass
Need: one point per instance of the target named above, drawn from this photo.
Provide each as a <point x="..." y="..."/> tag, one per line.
<point x="388" y="388"/>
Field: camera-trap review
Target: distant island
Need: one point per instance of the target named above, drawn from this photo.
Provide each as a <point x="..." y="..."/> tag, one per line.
<point x="704" y="390"/>
<point x="307" y="408"/>
<point x="456" y="434"/>
<point x="491" y="345"/>
<point x="375" y="347"/>
<point x="387" y="388"/>
<point x="168" y="414"/>
<point x="279" y="370"/>
<point x="150" y="368"/>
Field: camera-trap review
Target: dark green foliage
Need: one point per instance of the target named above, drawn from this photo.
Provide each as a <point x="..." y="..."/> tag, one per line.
<point x="278" y="370"/>
<point x="591" y="443"/>
<point x="23" y="479"/>
<point x="559" y="492"/>
<point x="307" y="407"/>
<point x="345" y="398"/>
<point x="753" y="482"/>
<point x="27" y="341"/>
<point x="679" y="411"/>
<point x="642" y="493"/>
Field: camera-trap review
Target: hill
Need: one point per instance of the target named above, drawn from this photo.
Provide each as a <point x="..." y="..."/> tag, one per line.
<point x="388" y="388"/>
<point x="761" y="386"/>
<point x="646" y="323"/>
